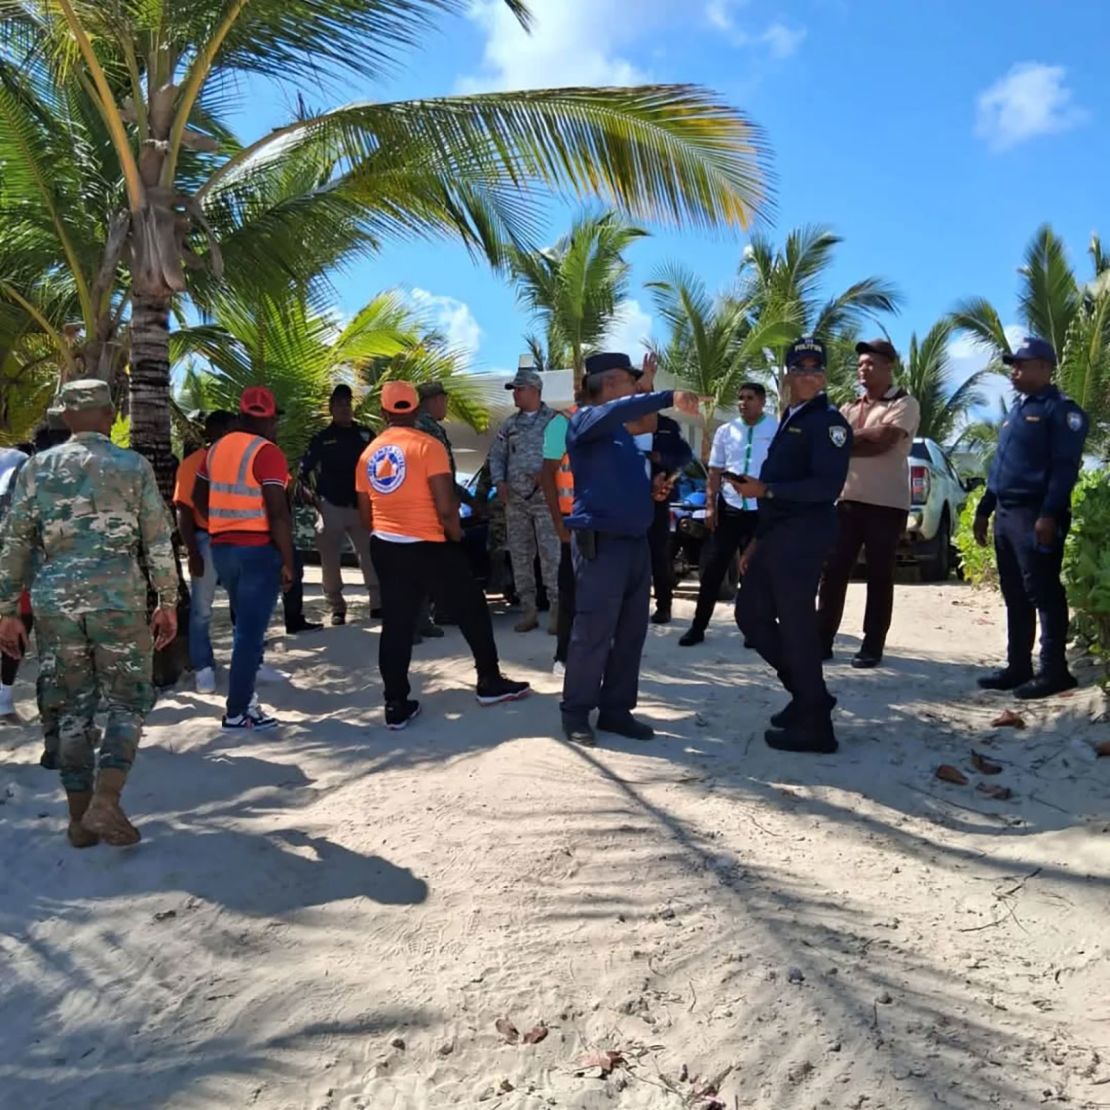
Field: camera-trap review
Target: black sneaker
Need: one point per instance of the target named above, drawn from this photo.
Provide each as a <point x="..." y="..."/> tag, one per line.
<point x="493" y="691"/>
<point x="579" y="732"/>
<point x="303" y="626"/>
<point x="431" y="631"/>
<point x="661" y="616"/>
<point x="691" y="637"/>
<point x="338" y="619"/>
<point x="624" y="724"/>
<point x="1045" y="685"/>
<point x="1005" y="679"/>
<point x="398" y="714"/>
<point x="866" y="660"/>
<point x="819" y="740"/>
<point x="785" y="717"/>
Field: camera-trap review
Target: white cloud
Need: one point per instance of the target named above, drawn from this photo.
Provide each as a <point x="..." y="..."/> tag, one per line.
<point x="779" y="39"/>
<point x="969" y="356"/>
<point x="629" y="331"/>
<point x="573" y="42"/>
<point x="451" y="317"/>
<point x="1031" y="100"/>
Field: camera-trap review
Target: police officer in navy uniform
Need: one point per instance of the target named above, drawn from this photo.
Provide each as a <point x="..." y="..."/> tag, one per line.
<point x="613" y="510"/>
<point x="797" y="489"/>
<point x="1040" y="450"/>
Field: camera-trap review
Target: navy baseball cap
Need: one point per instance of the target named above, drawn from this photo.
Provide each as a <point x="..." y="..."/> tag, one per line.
<point x="1032" y="347"/>
<point x="805" y="347"/>
<point x="611" y="360"/>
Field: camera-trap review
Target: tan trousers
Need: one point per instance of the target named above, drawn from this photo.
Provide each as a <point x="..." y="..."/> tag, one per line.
<point x="338" y="522"/>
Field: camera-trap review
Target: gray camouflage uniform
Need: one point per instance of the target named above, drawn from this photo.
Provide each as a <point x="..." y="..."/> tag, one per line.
<point x="85" y="518"/>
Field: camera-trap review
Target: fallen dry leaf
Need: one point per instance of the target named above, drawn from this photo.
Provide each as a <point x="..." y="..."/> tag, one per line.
<point x="508" y="1031"/>
<point x="984" y="766"/>
<point x="1103" y="748"/>
<point x="947" y="773"/>
<point x="536" y="1034"/>
<point x="604" y="1060"/>
<point x="1008" y="719"/>
<point x="993" y="790"/>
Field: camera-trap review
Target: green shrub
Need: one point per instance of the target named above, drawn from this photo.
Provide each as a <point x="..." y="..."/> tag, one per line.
<point x="1087" y="561"/>
<point x="976" y="563"/>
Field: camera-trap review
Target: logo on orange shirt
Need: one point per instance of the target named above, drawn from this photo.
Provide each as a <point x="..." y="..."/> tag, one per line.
<point x="386" y="469"/>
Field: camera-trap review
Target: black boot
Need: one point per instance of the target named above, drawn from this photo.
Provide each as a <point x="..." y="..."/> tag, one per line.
<point x="1009" y="678"/>
<point x="803" y="736"/>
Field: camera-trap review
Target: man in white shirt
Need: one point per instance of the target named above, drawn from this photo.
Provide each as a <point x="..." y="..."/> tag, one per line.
<point x="739" y="447"/>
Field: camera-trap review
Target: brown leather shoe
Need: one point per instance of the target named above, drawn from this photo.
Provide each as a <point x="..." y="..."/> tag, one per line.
<point x="104" y="816"/>
<point x="79" y="836"/>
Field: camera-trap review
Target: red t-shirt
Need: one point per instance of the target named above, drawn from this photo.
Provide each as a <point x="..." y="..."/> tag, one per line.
<point x="269" y="469"/>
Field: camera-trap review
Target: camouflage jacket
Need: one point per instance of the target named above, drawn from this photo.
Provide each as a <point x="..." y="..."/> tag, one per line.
<point x="85" y="519"/>
<point x="430" y="426"/>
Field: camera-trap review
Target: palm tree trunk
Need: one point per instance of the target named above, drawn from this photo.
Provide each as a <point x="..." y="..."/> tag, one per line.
<point x="150" y="384"/>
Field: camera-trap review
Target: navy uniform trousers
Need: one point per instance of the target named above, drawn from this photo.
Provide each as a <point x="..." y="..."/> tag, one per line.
<point x="777" y="608"/>
<point x="612" y="596"/>
<point x="1030" y="581"/>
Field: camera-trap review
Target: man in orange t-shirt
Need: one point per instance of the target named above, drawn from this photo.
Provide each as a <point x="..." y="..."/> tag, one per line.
<point x="407" y="501"/>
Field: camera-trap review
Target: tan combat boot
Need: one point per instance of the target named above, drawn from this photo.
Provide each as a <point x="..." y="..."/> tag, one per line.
<point x="79" y="836"/>
<point x="529" y="619"/>
<point x="104" y="816"/>
<point x="553" y="620"/>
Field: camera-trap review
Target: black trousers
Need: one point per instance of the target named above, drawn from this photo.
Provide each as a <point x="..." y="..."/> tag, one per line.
<point x="9" y="667"/>
<point x="876" y="529"/>
<point x="292" y="603"/>
<point x="1030" y="579"/>
<point x="776" y="609"/>
<point x="410" y="571"/>
<point x="734" y="531"/>
<point x="662" y="565"/>
<point x="567" y="583"/>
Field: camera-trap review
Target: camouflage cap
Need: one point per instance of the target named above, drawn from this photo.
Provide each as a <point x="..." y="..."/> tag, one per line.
<point x="83" y="395"/>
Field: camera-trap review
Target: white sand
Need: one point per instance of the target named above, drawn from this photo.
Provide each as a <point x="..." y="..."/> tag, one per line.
<point x="305" y="901"/>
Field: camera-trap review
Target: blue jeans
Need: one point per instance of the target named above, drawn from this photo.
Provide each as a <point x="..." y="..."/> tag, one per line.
<point x="202" y="592"/>
<point x="252" y="578"/>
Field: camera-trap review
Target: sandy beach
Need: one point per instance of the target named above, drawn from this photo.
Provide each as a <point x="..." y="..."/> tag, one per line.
<point x="334" y="916"/>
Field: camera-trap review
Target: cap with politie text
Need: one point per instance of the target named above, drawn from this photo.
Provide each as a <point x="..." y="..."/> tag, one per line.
<point x="805" y="347"/>
<point x="82" y="396"/>
<point x="258" y="401"/>
<point x="526" y="379"/>
<point x="400" y="397"/>
<point x="1032" y="348"/>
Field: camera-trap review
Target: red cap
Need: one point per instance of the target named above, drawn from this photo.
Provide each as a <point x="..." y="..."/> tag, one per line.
<point x="400" y="397"/>
<point x="257" y="400"/>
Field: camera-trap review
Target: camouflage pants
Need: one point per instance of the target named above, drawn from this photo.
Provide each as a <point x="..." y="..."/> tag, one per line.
<point x="83" y="659"/>
<point x="530" y="531"/>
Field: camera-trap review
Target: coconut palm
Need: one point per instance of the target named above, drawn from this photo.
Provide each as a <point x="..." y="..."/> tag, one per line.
<point x="715" y="345"/>
<point x="301" y="354"/>
<point x="796" y="275"/>
<point x="981" y="436"/>
<point x="576" y="287"/>
<point x="160" y="76"/>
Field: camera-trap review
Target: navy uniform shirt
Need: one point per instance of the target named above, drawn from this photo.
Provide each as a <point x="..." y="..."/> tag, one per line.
<point x="333" y="455"/>
<point x="1040" y="450"/>
<point x="806" y="464"/>
<point x="612" y="491"/>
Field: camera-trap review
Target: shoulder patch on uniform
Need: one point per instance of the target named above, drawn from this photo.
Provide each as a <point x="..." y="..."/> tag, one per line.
<point x="1075" y="420"/>
<point x="838" y="435"/>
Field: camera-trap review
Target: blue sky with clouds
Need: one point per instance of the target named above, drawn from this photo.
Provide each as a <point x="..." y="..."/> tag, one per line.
<point x="933" y="136"/>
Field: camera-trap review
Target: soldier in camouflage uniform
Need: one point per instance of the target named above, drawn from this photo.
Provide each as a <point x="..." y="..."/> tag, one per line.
<point x="84" y="519"/>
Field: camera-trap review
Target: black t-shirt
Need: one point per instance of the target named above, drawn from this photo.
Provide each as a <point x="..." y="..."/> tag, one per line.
<point x="332" y="456"/>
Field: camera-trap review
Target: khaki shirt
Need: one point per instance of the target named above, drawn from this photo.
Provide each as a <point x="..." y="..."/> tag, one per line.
<point x="882" y="479"/>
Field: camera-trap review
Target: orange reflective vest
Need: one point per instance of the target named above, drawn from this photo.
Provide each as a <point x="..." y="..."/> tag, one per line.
<point x="235" y="502"/>
<point x="564" y="480"/>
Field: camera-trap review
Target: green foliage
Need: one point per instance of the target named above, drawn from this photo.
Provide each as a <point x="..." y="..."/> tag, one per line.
<point x="976" y="563"/>
<point x="121" y="431"/>
<point x="1087" y="561"/>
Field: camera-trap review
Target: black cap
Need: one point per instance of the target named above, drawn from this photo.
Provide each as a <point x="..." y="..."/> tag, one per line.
<point x="611" y="360"/>
<point x="342" y="392"/>
<point x="882" y="347"/>
<point x="428" y="390"/>
<point x="805" y="347"/>
<point x="1032" y="348"/>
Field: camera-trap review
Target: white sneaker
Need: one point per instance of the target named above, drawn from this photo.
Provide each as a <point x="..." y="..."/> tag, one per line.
<point x="7" y="702"/>
<point x="206" y="680"/>
<point x="268" y="675"/>
<point x="559" y="669"/>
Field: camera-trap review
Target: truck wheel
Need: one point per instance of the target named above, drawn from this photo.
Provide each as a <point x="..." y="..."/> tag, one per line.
<point x="936" y="563"/>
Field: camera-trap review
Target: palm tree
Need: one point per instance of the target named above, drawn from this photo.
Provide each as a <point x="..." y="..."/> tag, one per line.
<point x="301" y="354"/>
<point x="576" y="287"/>
<point x="183" y="188"/>
<point x="981" y="437"/>
<point x="927" y="375"/>
<point x="715" y="344"/>
<point x="793" y="280"/>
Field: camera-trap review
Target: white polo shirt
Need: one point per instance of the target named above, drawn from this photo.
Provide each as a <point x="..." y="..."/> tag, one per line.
<point x="742" y="449"/>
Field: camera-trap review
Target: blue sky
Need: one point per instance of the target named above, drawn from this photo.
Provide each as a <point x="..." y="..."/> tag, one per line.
<point x="933" y="136"/>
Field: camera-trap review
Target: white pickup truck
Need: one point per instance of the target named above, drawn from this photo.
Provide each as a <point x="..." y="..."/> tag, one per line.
<point x="937" y="494"/>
